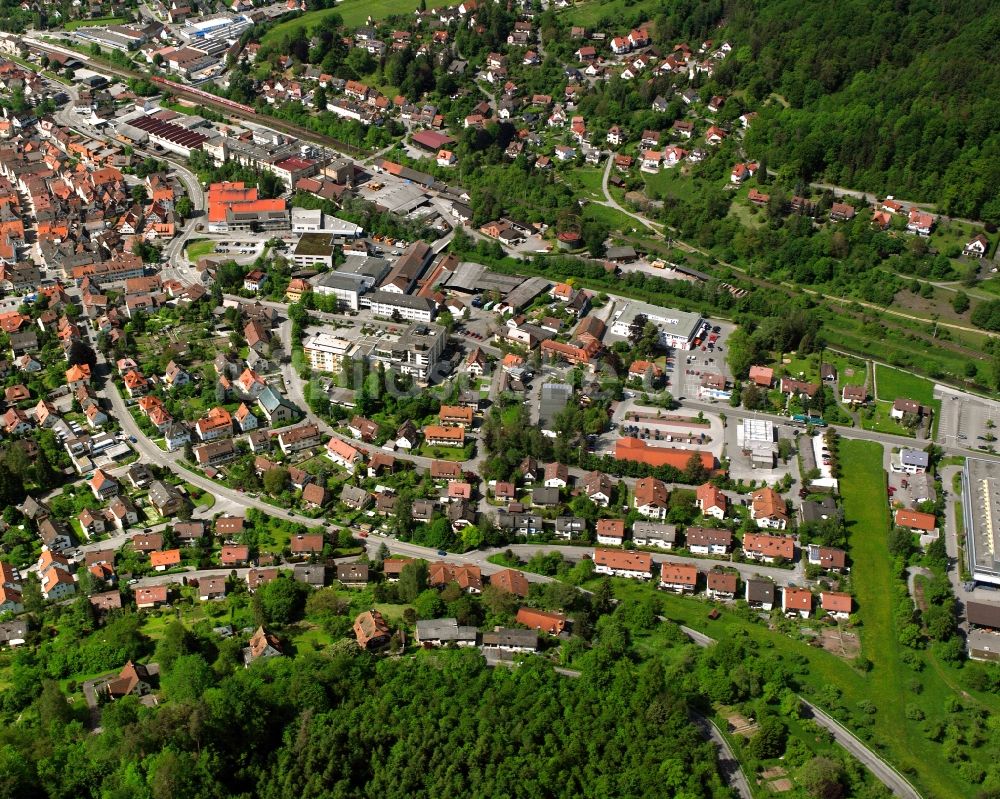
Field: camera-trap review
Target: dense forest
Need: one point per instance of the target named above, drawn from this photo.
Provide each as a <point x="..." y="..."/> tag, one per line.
<point x="883" y="96"/>
<point x="342" y="723"/>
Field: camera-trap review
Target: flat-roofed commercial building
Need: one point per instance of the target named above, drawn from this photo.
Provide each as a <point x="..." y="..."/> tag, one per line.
<point x="406" y="306"/>
<point x="981" y="500"/>
<point x="756" y="438"/>
<point x="678" y="329"/>
<point x="333" y="284"/>
<point x="314" y="249"/>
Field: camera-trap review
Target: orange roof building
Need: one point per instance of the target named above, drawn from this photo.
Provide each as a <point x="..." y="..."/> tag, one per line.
<point x="469" y="578"/>
<point x="238" y="198"/>
<point x="915" y="520"/>
<point x="542" y="620"/>
<point x="767" y="508"/>
<point x="837" y="604"/>
<point x="768" y="547"/>
<point x="622" y="563"/>
<point x="166" y="559"/>
<point x="511" y="581"/>
<point x="680" y="577"/>
<point x="634" y="449"/>
<point x="797" y="600"/>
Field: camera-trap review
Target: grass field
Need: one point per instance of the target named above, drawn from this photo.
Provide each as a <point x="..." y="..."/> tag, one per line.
<point x="669" y="183"/>
<point x="867" y="514"/>
<point x="199" y="248"/>
<point x="882" y="421"/>
<point x="587" y="181"/>
<point x="611" y="217"/>
<point x="353" y="12"/>
<point x="892" y="383"/>
<point x="590" y="12"/>
<point x="74" y="24"/>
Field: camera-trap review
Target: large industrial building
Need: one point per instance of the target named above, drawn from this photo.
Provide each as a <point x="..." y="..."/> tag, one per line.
<point x="756" y="439"/>
<point x="678" y="329"/>
<point x="981" y="499"/>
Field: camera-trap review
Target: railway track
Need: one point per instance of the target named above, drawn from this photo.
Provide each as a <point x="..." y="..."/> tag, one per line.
<point x="220" y="104"/>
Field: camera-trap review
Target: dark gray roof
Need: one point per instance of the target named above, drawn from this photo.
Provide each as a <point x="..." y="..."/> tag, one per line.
<point x="574" y="524"/>
<point x="401" y="300"/>
<point x="813" y="511"/>
<point x="511" y="637"/>
<point x="760" y="591"/>
<point x="914" y="457"/>
<point x="312" y="574"/>
<point x="545" y="496"/>
<point x="444" y="630"/>
<point x="982" y="614"/>
<point x="13" y="630"/>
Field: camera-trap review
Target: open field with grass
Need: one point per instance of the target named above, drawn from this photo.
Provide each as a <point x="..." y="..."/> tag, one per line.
<point x="586" y="181"/>
<point x="669" y="183"/>
<point x="892" y="680"/>
<point x="353" y="12"/>
<point x="611" y="217"/>
<point x="75" y="24"/>
<point x="199" y="248"/>
<point x="893" y="383"/>
<point x="590" y="12"/>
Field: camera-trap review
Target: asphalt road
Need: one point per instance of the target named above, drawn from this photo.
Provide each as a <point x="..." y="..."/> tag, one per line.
<point x="780" y="576"/>
<point x="885" y="773"/>
<point x="729" y="766"/>
<point x="153" y="454"/>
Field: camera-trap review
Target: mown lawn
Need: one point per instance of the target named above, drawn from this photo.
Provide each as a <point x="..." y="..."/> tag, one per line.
<point x="882" y="421"/>
<point x="866" y="511"/>
<point x="199" y="248"/>
<point x="73" y="24"/>
<point x="893" y="383"/>
<point x="353" y="12"/>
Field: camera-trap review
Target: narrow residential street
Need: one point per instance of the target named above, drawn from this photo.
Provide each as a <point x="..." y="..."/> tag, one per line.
<point x="884" y="772"/>
<point x="151" y="453"/>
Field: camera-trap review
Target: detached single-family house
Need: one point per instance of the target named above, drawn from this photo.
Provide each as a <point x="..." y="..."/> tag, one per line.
<point x="621" y="563"/>
<point x="651" y="498"/>
<point x="768" y="509"/>
<point x="704" y="541"/>
<point x="796" y="601"/>
<point x="768" y="548"/>
<point x="760" y="594"/>
<point x="711" y="501"/>
<point x="722" y="585"/>
<point x="678" y="577"/>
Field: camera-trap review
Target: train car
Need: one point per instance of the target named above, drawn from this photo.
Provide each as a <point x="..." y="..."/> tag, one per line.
<point x="180" y="88"/>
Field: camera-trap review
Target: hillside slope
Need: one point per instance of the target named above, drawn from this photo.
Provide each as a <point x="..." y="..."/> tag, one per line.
<point x="889" y="96"/>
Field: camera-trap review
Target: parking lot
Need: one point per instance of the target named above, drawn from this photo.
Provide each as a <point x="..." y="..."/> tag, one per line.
<point x="231" y="247"/>
<point x="685" y="367"/>
<point x="966" y="421"/>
